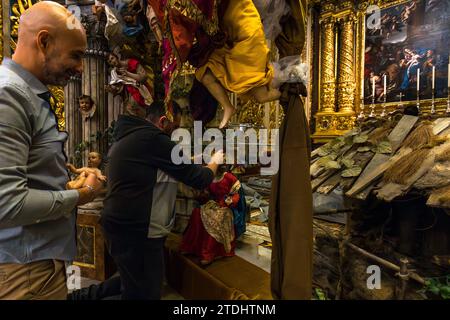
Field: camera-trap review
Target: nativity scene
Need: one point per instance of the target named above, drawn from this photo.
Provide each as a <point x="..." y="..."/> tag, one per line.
<point x="225" y="149"/>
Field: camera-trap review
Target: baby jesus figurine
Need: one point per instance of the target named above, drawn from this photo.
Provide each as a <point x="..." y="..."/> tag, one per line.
<point x="94" y="161"/>
<point x="130" y="76"/>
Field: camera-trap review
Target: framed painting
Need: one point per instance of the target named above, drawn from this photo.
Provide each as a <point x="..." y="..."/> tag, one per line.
<point x="409" y="47"/>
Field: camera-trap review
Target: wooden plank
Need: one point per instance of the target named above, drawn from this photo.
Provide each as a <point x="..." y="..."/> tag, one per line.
<point x="401" y="131"/>
<point x="440" y="125"/>
<point x="318" y="181"/>
<point x="374" y="170"/>
<point x="380" y="162"/>
<point x="330" y="183"/>
<point x="361" y="160"/>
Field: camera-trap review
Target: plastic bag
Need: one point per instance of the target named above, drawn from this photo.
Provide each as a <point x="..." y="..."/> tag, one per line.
<point x="271" y="12"/>
<point x="290" y="69"/>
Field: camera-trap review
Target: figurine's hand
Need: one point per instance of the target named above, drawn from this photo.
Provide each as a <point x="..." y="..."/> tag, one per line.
<point x="228" y="200"/>
<point x="122" y="71"/>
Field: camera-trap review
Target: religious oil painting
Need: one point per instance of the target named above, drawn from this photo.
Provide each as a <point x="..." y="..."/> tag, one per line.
<point x="407" y="52"/>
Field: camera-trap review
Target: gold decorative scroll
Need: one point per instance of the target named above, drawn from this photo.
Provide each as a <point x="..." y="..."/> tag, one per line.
<point x="17" y="10"/>
<point x="328" y="76"/>
<point x="346" y="87"/>
<point x="57" y="104"/>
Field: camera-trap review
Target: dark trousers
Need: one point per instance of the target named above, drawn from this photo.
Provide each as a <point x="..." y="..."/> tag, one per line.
<point x="109" y="289"/>
<point x="140" y="265"/>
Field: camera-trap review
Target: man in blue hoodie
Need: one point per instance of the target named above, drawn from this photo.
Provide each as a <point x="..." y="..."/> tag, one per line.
<point x="139" y="160"/>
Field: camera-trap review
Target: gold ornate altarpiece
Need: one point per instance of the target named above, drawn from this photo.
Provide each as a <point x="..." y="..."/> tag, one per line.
<point x="341" y="46"/>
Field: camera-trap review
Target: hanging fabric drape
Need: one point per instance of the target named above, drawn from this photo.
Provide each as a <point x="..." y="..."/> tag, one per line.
<point x="290" y="219"/>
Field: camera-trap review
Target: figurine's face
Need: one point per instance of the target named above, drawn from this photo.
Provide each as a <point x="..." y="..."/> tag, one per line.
<point x="85" y="104"/>
<point x="113" y="61"/>
<point x="94" y="160"/>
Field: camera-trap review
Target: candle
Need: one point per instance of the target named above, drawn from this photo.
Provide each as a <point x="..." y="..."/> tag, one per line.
<point x="448" y="77"/>
<point x="433" y="77"/>
<point x="385" y="84"/>
<point x="373" y="86"/>
<point x="418" y="79"/>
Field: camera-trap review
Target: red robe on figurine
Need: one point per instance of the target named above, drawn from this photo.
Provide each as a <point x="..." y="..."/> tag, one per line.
<point x="211" y="232"/>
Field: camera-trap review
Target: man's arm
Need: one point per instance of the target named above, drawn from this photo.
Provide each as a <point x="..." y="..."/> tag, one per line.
<point x="20" y="205"/>
<point x="193" y="175"/>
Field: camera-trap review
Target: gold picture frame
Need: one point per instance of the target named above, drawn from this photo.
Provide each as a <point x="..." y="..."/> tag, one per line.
<point x="425" y="104"/>
<point x="339" y="42"/>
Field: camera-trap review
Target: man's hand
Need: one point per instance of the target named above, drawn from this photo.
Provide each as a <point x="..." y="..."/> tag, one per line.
<point x="216" y="160"/>
<point x="217" y="157"/>
<point x="90" y="190"/>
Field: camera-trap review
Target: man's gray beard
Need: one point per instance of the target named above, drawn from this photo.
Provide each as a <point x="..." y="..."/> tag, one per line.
<point x="49" y="79"/>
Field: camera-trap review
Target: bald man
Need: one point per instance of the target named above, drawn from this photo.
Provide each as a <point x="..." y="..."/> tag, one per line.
<point x="37" y="214"/>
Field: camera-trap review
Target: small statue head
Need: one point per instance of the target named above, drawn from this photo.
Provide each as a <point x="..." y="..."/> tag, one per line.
<point x="113" y="60"/>
<point x="85" y="102"/>
<point x="94" y="160"/>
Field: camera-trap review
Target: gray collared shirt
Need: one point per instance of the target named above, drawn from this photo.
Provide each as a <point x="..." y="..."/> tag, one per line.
<point x="37" y="214"/>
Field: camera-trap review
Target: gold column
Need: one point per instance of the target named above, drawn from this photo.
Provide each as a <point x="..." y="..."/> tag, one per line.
<point x="327" y="74"/>
<point x="1" y="32"/>
<point x="346" y="86"/>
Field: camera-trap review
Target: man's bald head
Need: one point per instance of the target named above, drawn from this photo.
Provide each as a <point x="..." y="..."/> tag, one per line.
<point x="55" y="39"/>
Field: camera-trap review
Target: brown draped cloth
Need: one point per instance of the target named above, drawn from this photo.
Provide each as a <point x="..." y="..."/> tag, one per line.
<point x="290" y="219"/>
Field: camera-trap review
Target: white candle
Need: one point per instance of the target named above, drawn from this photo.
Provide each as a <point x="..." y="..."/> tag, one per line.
<point x="433" y="77"/>
<point x="448" y="76"/>
<point x="418" y="79"/>
<point x="385" y="84"/>
<point x="373" y="86"/>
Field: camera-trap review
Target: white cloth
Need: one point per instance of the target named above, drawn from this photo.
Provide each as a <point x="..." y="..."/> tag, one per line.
<point x="143" y="90"/>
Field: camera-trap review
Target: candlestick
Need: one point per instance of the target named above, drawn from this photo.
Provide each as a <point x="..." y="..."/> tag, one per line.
<point x="448" y="101"/>
<point x="448" y="97"/>
<point x="433" y="109"/>
<point x="385" y="84"/>
<point x="418" y="101"/>
<point x="372" y="107"/>
<point x="383" y="113"/>
<point x="361" y="115"/>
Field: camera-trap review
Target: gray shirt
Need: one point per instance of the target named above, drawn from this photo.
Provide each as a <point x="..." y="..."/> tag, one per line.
<point x="37" y="214"/>
<point x="162" y="216"/>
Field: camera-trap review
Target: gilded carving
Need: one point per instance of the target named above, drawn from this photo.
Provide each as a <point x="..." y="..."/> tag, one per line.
<point x="17" y="9"/>
<point x="327" y="6"/>
<point x="57" y="104"/>
<point x="346" y="89"/>
<point x="1" y="32"/>
<point x="333" y="124"/>
<point x="328" y="74"/>
<point x="254" y="113"/>
<point x="347" y="65"/>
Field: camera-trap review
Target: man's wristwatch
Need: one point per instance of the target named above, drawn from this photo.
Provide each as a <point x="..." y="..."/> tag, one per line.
<point x="91" y="191"/>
